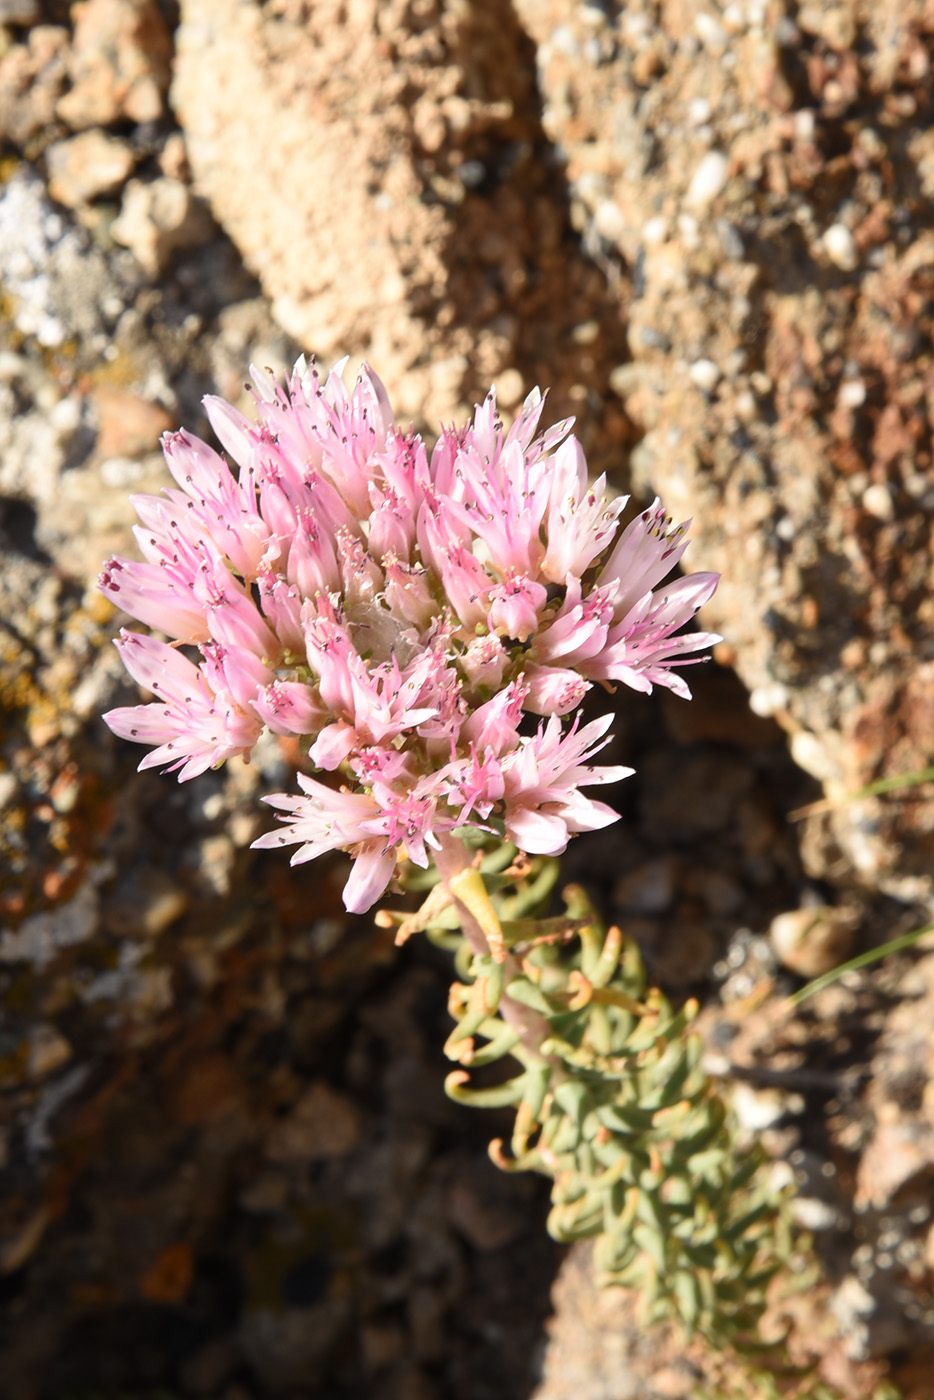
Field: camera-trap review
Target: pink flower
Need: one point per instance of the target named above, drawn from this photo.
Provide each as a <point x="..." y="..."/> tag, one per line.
<point x="372" y="826"/>
<point x="581" y="522"/>
<point x="402" y="611"/>
<point x="212" y="499"/>
<point x="641" y="649"/>
<point x="324" y="820"/>
<point x="195" y="726"/>
<point x="543" y="777"/>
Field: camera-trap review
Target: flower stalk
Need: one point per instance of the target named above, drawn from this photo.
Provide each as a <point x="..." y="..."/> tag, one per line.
<point x="428" y="622"/>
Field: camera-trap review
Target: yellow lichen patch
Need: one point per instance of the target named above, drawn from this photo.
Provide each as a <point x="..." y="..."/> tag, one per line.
<point x="124" y="371"/>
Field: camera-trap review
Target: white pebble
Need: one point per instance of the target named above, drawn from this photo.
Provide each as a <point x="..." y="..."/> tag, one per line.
<point x="805" y="124"/>
<point x="708" y="180"/>
<point x="705" y="374"/>
<point x="711" y="32"/>
<point x="756" y="1109"/>
<point x="688" y="229"/>
<point x="840" y="247"/>
<point x="811" y="1213"/>
<point x="809" y="753"/>
<point x="767" y="700"/>
<point x="510" y="386"/>
<point x="781" y="1175"/>
<point x="608" y="220"/>
<point x="655" y="230"/>
<point x="66" y="415"/>
<point x="877" y="499"/>
<point x="698" y="111"/>
<point x="852" y="393"/>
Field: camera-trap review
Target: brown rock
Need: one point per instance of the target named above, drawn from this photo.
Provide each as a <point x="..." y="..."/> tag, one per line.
<point x="323" y="1124"/>
<point x="119" y="63"/>
<point x="383" y="121"/>
<point x="173" y="160"/>
<point x="159" y="217"/>
<point x="32" y="78"/>
<point x="339" y="257"/>
<point x="87" y="166"/>
<point x="805" y="467"/>
<point x="147" y="905"/>
<point x="21" y="1229"/>
<point x="48" y="1051"/>
<point x="897" y="1154"/>
<point x="813" y="941"/>
<point x="598" y="1347"/>
<point x="206" y="1089"/>
<point x="284" y="1346"/>
<point x="486" y="1224"/>
<point x="171" y="1275"/>
<point x="648" y="889"/>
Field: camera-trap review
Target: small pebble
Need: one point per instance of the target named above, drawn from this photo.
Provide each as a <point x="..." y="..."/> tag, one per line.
<point x="158" y="217"/>
<point x="19" y="12"/>
<point x="767" y="700"/>
<point x="708" y="180"/>
<point x="699" y="111"/>
<point x="87" y="166"/>
<point x="840" y="247"/>
<point x="852" y="393"/>
<point x="9" y="787"/>
<point x="689" y="230"/>
<point x="705" y="374"/>
<point x="586" y="333"/>
<point x="729" y="238"/>
<point x="757" y="1109"/>
<point x="811" y="755"/>
<point x="711" y="32"/>
<point x="746" y="407"/>
<point x="877" y="500"/>
<point x="811" y="942"/>
<point x="655" y="231"/>
<point x="609" y="221"/>
<point x="813" y="1214"/>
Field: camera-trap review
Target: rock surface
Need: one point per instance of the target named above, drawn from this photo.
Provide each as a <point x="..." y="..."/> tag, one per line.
<point x="764" y="184"/>
<point x="226" y="1164"/>
<point x="382" y="170"/>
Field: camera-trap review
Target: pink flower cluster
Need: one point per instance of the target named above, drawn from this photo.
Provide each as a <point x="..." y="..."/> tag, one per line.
<point x="401" y="610"/>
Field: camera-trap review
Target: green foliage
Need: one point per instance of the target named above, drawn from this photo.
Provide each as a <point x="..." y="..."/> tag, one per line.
<point x="612" y="1104"/>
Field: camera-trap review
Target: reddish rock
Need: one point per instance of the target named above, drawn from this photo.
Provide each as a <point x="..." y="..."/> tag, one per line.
<point x="127" y="425"/>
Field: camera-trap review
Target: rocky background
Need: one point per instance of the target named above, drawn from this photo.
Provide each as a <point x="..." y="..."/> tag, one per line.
<point x="227" y="1168"/>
